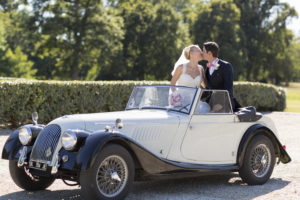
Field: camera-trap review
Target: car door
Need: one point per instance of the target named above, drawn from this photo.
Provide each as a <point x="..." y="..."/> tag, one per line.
<point x="210" y="136"/>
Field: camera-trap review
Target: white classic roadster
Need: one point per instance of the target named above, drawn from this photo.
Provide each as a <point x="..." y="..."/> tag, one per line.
<point x="166" y="130"/>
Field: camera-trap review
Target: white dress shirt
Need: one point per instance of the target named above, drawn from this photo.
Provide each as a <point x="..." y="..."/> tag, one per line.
<point x="212" y="68"/>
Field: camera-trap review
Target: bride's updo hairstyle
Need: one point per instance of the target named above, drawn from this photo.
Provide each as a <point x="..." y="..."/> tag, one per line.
<point x="185" y="56"/>
<point x="187" y="50"/>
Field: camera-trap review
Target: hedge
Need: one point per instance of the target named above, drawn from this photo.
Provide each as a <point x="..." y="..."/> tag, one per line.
<point x="51" y="99"/>
<point x="265" y="97"/>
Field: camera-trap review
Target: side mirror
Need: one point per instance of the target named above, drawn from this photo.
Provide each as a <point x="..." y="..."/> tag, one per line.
<point x="35" y="117"/>
<point x="119" y="123"/>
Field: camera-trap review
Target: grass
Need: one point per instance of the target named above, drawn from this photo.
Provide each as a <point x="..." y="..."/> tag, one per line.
<point x="293" y="98"/>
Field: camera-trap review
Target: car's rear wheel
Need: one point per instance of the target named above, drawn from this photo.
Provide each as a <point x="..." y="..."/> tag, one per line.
<point x="24" y="181"/>
<point x="111" y="175"/>
<point x="259" y="161"/>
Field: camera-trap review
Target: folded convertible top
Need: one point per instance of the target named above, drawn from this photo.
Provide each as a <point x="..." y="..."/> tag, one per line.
<point x="248" y="114"/>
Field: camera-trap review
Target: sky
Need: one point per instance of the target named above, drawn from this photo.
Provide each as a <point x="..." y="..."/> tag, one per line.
<point x="294" y="24"/>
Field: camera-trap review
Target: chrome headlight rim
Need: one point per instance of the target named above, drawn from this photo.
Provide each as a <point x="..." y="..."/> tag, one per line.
<point x="69" y="140"/>
<point x="25" y="135"/>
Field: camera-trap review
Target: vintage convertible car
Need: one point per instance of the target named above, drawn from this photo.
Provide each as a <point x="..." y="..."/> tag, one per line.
<point x="166" y="130"/>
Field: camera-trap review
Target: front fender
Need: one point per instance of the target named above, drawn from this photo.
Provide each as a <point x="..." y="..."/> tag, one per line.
<point x="260" y="129"/>
<point x="12" y="144"/>
<point x="93" y="145"/>
<point x="87" y="153"/>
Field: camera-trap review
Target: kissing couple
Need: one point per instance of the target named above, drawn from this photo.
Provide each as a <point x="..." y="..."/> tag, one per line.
<point x="218" y="74"/>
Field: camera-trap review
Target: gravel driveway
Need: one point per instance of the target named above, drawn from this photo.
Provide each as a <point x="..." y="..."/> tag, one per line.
<point x="284" y="183"/>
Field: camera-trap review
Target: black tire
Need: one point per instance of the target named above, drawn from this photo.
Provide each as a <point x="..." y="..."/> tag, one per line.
<point x="100" y="176"/>
<point x="22" y="180"/>
<point x="258" y="162"/>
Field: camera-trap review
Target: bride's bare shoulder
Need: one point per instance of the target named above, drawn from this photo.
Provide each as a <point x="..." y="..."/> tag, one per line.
<point x="179" y="69"/>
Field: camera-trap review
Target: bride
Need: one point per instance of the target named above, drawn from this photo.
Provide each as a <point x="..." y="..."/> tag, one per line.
<point x="186" y="70"/>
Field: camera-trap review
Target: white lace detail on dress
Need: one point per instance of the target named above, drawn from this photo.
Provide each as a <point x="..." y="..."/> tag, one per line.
<point x="187" y="80"/>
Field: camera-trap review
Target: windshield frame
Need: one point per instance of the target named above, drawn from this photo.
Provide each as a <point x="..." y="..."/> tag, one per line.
<point x="163" y="108"/>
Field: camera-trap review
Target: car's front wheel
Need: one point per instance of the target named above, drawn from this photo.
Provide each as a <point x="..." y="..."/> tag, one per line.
<point x="24" y="181"/>
<point x="111" y="175"/>
<point x="258" y="162"/>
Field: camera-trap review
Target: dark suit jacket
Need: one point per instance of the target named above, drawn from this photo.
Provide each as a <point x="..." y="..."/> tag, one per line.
<point x="221" y="79"/>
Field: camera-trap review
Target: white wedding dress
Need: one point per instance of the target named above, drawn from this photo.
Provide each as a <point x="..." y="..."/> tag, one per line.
<point x="188" y="81"/>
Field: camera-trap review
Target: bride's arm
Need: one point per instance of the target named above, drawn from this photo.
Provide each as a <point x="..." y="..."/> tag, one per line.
<point x="176" y="75"/>
<point x="203" y="77"/>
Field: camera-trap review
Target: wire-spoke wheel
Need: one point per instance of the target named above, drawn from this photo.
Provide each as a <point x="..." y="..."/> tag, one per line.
<point x="259" y="161"/>
<point x="111" y="175"/>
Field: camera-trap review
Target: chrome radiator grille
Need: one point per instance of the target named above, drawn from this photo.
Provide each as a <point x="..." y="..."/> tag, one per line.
<point x="46" y="143"/>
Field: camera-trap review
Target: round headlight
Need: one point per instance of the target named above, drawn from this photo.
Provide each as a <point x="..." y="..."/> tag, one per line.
<point x="69" y="140"/>
<point x="25" y="135"/>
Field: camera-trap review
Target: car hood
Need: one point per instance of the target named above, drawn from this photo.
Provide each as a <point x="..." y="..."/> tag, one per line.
<point x="98" y="121"/>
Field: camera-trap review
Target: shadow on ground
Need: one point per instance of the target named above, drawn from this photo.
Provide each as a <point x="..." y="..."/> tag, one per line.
<point x="44" y="195"/>
<point x="214" y="187"/>
<point x="217" y="187"/>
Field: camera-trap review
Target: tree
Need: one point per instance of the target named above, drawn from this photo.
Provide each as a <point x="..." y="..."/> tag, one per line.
<point x="80" y="36"/>
<point x="18" y="64"/>
<point x="219" y="21"/>
<point x="294" y="53"/>
<point x="3" y="22"/>
<point x="169" y="35"/>
<point x="135" y="39"/>
<point x="154" y="38"/>
<point x="262" y="23"/>
<point x="13" y="62"/>
<point x="281" y="68"/>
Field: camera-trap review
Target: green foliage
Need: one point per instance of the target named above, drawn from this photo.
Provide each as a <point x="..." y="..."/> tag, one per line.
<point x="52" y="99"/>
<point x="169" y="35"/>
<point x="294" y="52"/>
<point x="141" y="39"/>
<point x="78" y="37"/>
<point x="265" y="39"/>
<point x="265" y="97"/>
<point x="55" y="98"/>
<point x="18" y="64"/>
<point x="218" y="21"/>
<point x="2" y="31"/>
<point x="154" y="38"/>
<point x="13" y="62"/>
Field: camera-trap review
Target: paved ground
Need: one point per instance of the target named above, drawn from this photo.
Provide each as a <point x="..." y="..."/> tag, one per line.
<point x="283" y="185"/>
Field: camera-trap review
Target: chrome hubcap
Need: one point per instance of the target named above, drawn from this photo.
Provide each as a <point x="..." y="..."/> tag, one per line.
<point x="115" y="176"/>
<point x="260" y="160"/>
<point x="112" y="176"/>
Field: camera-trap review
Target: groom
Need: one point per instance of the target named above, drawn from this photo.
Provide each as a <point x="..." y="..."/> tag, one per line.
<point x="219" y="73"/>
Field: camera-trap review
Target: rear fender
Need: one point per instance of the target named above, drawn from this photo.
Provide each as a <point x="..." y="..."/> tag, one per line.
<point x="259" y="129"/>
